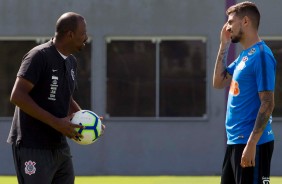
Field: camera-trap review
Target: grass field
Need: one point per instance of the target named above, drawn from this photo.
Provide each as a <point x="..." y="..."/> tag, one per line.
<point x="142" y="180"/>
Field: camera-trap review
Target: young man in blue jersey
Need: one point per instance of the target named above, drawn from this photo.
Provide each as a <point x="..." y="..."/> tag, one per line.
<point x="251" y="77"/>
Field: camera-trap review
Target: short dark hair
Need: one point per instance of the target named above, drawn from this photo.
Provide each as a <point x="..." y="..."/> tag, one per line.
<point x="248" y="9"/>
<point x="67" y="22"/>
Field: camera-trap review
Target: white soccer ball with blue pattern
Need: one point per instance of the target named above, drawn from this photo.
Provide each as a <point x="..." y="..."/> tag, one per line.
<point x="92" y="124"/>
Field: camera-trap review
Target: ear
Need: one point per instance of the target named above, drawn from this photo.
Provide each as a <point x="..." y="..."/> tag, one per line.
<point x="70" y="34"/>
<point x="246" y="20"/>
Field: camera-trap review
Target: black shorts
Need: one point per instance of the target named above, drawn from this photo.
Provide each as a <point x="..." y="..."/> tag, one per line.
<point x="44" y="166"/>
<point x="233" y="173"/>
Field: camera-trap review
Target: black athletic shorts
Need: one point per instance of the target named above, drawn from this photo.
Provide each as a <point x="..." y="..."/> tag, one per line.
<point x="233" y="173"/>
<point x="44" y="166"/>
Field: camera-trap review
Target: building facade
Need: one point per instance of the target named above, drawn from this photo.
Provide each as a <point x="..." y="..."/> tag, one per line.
<point x="147" y="69"/>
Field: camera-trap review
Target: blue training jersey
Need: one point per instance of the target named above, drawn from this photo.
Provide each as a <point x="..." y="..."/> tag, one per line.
<point x="252" y="72"/>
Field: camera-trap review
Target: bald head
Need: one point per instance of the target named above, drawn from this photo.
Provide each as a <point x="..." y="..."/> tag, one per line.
<point x="67" y="22"/>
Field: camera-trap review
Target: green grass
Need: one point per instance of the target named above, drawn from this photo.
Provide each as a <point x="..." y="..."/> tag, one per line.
<point x="142" y="180"/>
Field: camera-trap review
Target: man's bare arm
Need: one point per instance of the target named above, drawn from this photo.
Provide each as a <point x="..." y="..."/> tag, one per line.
<point x="21" y="98"/>
<point x="266" y="108"/>
<point x="221" y="78"/>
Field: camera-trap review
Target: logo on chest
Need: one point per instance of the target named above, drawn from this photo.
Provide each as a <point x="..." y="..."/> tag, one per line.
<point x="242" y="64"/>
<point x="53" y="88"/>
<point x="72" y="74"/>
<point x="234" y="88"/>
<point x="252" y="51"/>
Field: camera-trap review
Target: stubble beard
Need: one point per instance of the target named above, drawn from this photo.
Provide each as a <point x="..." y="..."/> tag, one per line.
<point x="237" y="38"/>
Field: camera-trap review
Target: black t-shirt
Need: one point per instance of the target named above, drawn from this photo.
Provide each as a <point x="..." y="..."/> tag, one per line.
<point x="54" y="80"/>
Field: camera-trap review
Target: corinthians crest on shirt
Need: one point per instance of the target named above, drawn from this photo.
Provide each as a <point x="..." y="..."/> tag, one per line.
<point x="242" y="64"/>
<point x="30" y="167"/>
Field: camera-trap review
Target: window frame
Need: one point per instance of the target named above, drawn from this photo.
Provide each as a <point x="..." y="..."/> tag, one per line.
<point x="157" y="40"/>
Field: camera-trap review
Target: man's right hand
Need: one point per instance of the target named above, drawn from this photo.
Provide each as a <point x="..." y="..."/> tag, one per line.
<point x="67" y="128"/>
<point x="225" y="36"/>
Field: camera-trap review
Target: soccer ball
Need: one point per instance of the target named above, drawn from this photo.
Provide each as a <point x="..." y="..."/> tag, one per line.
<point x="92" y="124"/>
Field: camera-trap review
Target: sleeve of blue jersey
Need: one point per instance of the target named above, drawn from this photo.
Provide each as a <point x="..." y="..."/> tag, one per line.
<point x="265" y="70"/>
<point x="230" y="69"/>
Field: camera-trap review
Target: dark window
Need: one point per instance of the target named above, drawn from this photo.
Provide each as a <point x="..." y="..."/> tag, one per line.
<point x="165" y="78"/>
<point x="131" y="78"/>
<point x="276" y="47"/>
<point x="12" y="52"/>
<point x="182" y="78"/>
<point x="83" y="93"/>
